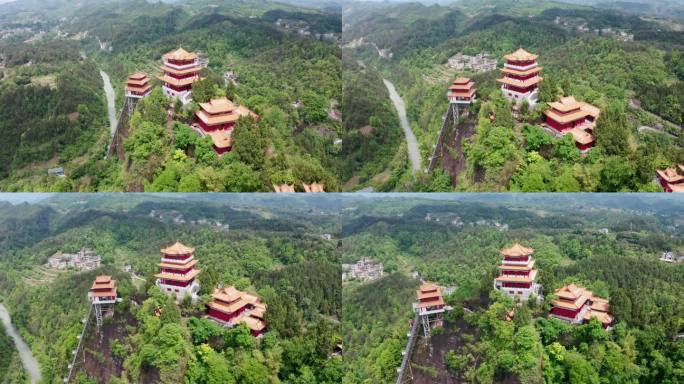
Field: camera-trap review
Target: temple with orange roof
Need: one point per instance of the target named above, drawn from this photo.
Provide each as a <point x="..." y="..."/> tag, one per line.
<point x="672" y="179"/>
<point x="577" y="305"/>
<point x="576" y="117"/>
<point x="430" y="300"/>
<point x="518" y="276"/>
<point x="177" y="273"/>
<point x="462" y="91"/>
<point x="102" y="296"/>
<point x="138" y="86"/>
<point x="230" y="307"/>
<point x="180" y="70"/>
<point x="521" y="78"/>
<point x="217" y="118"/>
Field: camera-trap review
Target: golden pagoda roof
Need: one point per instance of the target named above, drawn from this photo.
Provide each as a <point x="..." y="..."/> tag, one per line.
<point x="216" y="106"/>
<point x="313" y="187"/>
<point x="517" y="250"/>
<point x="140" y="89"/>
<point x="565" y="105"/>
<point x="138" y="76"/>
<point x="177" y="82"/>
<point x="513" y="267"/>
<point x="518" y="72"/>
<point x="183" y="266"/>
<point x="461" y="80"/>
<point x="252" y="323"/>
<point x="599" y="304"/>
<point x="103" y="279"/>
<point x="283" y="188"/>
<point x="521" y="55"/>
<point x="227" y="308"/>
<point x="603" y="317"/>
<point x="428" y="287"/>
<point x="581" y="136"/>
<point x="571" y="296"/>
<point x="177" y="277"/>
<point x="431" y="303"/>
<point x="520" y="83"/>
<point x="670" y="175"/>
<point x="460" y="87"/>
<point x="177" y="249"/>
<point x="518" y="279"/>
<point x="184" y="71"/>
<point x="139" y="82"/>
<point x="258" y="313"/>
<point x="465" y="93"/>
<point x="180" y="54"/>
<point x="227" y="294"/>
<point x="109" y="284"/>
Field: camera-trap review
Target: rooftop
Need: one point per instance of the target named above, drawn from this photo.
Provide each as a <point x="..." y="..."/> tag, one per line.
<point x="517" y="250"/>
<point x="180" y="54"/>
<point x="521" y="55"/>
<point x="177" y="249"/>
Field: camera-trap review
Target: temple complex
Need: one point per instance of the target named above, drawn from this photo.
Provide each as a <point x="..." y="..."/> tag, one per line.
<point x="180" y="70"/>
<point x="177" y="271"/>
<point x="577" y="305"/>
<point x="518" y="275"/>
<point x="230" y="307"/>
<point x="571" y="116"/>
<point x="217" y="118"/>
<point x="462" y="91"/>
<point x="521" y="78"/>
<point x="672" y="179"/>
<point x="138" y="86"/>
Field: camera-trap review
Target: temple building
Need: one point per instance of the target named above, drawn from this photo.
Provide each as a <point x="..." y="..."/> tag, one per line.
<point x="430" y="300"/>
<point x="571" y="116"/>
<point x="181" y="69"/>
<point x="672" y="179"/>
<point x="521" y="77"/>
<point x="462" y="91"/>
<point x="577" y="305"/>
<point x="177" y="271"/>
<point x="217" y="118"/>
<point x="230" y="307"/>
<point x="138" y="86"/>
<point x="518" y="276"/>
<point x="103" y="290"/>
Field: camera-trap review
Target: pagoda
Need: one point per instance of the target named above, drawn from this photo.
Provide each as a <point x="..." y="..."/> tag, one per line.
<point x="672" y="179"/>
<point x="177" y="271"/>
<point x="181" y="69"/>
<point x="430" y="307"/>
<point x="521" y="77"/>
<point x="230" y="307"/>
<point x="518" y="276"/>
<point x="217" y="118"/>
<point x="102" y="296"/>
<point x="138" y="86"/>
<point x="571" y="116"/>
<point x="462" y="91"/>
<point x="577" y="305"/>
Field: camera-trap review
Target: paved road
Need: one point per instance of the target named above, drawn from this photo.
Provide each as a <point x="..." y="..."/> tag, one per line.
<point x="30" y="363"/>
<point x="111" y="108"/>
<point x="412" y="143"/>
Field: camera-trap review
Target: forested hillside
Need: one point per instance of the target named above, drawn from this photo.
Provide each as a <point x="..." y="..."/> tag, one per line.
<point x="291" y="80"/>
<point x="636" y="84"/>
<point x="614" y="252"/>
<point x="151" y="338"/>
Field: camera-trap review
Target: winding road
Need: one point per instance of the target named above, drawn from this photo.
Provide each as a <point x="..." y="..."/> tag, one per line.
<point x="412" y="143"/>
<point x="30" y="363"/>
<point x="111" y="107"/>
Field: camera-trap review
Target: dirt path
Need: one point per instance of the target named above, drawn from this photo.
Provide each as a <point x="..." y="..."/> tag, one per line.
<point x="30" y="363"/>
<point x="411" y="141"/>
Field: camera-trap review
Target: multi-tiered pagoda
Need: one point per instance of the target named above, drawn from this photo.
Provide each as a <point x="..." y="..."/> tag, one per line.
<point x="577" y="305"/>
<point x="462" y="91"/>
<point x="672" y="179"/>
<point x="181" y="69"/>
<point x="230" y="307"/>
<point x="430" y="300"/>
<point x="518" y="276"/>
<point x="138" y="86"/>
<point x="177" y="271"/>
<point x="103" y="290"/>
<point x="521" y="77"/>
<point x="571" y="116"/>
<point x="217" y="119"/>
